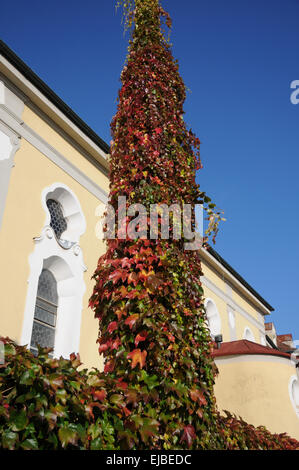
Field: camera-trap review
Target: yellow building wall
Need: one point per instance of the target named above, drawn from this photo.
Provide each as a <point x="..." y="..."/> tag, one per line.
<point x="212" y="275"/>
<point x="240" y="298"/>
<point x="246" y="305"/>
<point x="241" y="324"/>
<point x="56" y="140"/>
<point x="24" y="218"/>
<point x="256" y="388"/>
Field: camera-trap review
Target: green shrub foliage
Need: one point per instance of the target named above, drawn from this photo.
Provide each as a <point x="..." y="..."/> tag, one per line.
<point x="156" y="390"/>
<point x="50" y="404"/>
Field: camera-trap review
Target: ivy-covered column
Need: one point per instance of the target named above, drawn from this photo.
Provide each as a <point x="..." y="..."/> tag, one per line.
<point x="148" y="295"/>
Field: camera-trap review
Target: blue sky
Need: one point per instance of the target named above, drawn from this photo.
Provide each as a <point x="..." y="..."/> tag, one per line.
<point x="238" y="58"/>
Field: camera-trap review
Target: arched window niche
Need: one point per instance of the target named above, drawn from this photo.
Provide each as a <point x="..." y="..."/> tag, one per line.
<point x="64" y="261"/>
<point x="70" y="208"/>
<point x="213" y="317"/>
<point x="294" y="393"/>
<point x="248" y="334"/>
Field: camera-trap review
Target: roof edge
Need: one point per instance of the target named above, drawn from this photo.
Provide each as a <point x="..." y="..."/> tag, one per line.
<point x="232" y="271"/>
<point x="244" y="348"/>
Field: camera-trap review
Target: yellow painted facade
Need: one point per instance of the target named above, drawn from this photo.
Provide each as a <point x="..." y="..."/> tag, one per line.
<point x="53" y="151"/>
<point x="24" y="218"/>
<point x="256" y="388"/>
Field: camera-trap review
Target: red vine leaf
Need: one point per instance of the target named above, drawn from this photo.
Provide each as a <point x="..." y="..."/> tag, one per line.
<point x="112" y="326"/>
<point x="131" y="320"/>
<point x="140" y="337"/>
<point x="138" y="357"/>
<point x="188" y="435"/>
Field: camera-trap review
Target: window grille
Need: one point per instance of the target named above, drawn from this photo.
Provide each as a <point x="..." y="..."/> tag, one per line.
<point x="58" y="222"/>
<point x="45" y="314"/>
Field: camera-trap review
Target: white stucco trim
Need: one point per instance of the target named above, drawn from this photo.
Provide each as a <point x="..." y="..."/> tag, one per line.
<point x="231" y="318"/>
<point x="248" y="334"/>
<point x="9" y="144"/>
<point x="68" y="268"/>
<point x="13" y="106"/>
<point x="76" y="223"/>
<point x="10" y="102"/>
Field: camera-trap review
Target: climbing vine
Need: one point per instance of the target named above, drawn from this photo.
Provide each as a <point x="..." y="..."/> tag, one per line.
<point x="156" y="390"/>
<point x="148" y="297"/>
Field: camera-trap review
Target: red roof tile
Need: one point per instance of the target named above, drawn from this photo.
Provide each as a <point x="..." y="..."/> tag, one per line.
<point x="243" y="346"/>
<point x="288" y="337"/>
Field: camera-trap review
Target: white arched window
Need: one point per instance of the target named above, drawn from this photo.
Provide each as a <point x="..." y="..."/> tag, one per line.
<point x="248" y="334"/>
<point x="63" y="214"/>
<point x="56" y="286"/>
<point x="45" y="312"/>
<point x="294" y="393"/>
<point x="213" y="317"/>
